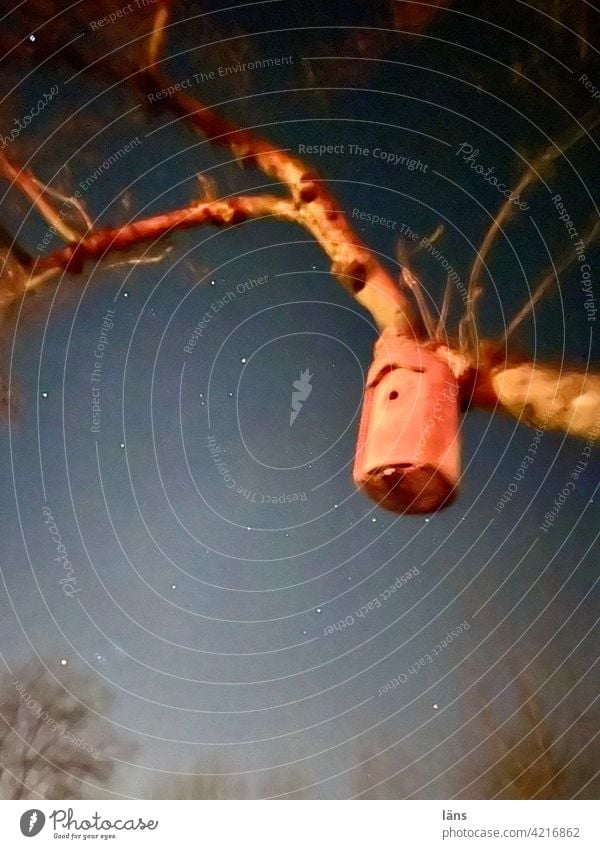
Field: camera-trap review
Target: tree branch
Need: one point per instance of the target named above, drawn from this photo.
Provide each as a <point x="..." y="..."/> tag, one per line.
<point x="353" y="263"/>
<point x="539" y="394"/>
<point x="225" y="212"/>
<point x="542" y="396"/>
<point x="534" y="172"/>
<point x="31" y="187"/>
<point x="550" y="280"/>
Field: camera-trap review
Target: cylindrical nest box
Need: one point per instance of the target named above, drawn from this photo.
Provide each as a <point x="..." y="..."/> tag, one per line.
<point x="408" y="452"/>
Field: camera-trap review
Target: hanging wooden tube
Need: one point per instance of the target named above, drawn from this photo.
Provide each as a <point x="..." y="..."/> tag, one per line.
<point x="408" y="453"/>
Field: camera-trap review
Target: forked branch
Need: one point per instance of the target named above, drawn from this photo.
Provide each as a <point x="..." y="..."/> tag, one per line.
<point x="535" y="393"/>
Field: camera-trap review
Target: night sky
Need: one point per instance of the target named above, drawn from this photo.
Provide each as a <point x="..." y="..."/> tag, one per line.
<point x="213" y="545"/>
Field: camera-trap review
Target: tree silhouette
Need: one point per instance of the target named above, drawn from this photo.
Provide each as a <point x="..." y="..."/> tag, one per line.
<point x="528" y="756"/>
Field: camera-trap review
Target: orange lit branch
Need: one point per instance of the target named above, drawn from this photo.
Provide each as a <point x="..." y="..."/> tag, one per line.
<point x="353" y="263"/>
<point x="411" y="366"/>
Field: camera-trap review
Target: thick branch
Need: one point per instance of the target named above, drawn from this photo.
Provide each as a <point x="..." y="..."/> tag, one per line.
<point x="536" y="394"/>
<point x="354" y="264"/>
<point x="366" y="280"/>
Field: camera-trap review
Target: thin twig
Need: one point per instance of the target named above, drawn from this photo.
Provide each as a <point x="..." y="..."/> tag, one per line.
<point x="547" y="282"/>
<point x="71" y="201"/>
<point x="31" y="187"/>
<point x="353" y="263"/>
<point x="38" y="280"/>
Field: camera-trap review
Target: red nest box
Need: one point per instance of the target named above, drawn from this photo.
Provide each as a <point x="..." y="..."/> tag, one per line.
<point x="408" y="452"/>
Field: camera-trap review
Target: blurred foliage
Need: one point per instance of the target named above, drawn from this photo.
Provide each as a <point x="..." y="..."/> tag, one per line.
<point x="566" y="29"/>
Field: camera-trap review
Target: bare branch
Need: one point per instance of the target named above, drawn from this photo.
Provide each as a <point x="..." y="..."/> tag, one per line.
<point x="416" y="288"/>
<point x="225" y="212"/>
<point x="534" y="172"/>
<point x="467" y="326"/>
<point x="542" y="396"/>
<point x="53" y="745"/>
<point x="31" y="187"/>
<point x="440" y="328"/>
<point x="353" y="263"/>
<point x="548" y="281"/>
